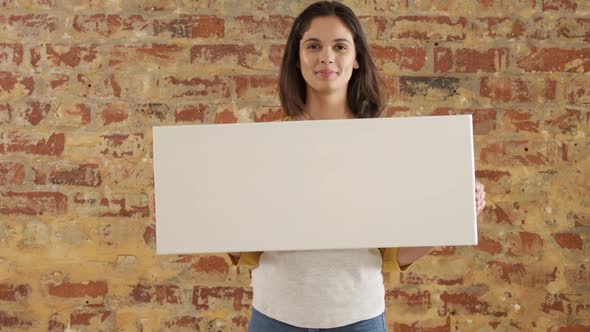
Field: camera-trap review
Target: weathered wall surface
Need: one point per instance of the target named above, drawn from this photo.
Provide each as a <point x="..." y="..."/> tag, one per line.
<point x="83" y="82"/>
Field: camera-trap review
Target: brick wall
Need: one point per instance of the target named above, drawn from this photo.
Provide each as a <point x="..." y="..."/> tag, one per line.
<point x="83" y="82"/>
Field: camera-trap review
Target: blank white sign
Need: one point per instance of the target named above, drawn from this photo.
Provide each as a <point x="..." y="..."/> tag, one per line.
<point x="300" y="185"/>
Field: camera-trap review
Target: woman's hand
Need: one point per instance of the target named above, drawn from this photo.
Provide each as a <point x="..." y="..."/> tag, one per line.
<point x="480" y="197"/>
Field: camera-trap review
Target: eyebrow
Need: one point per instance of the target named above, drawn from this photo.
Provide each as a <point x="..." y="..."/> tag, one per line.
<point x="336" y="40"/>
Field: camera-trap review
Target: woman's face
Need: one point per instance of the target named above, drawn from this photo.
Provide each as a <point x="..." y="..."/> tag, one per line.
<point x="327" y="55"/>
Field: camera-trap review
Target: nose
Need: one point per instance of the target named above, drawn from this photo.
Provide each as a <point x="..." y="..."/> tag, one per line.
<point x="326" y="55"/>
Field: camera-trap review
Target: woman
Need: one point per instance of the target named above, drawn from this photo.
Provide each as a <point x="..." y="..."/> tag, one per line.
<point x="327" y="73"/>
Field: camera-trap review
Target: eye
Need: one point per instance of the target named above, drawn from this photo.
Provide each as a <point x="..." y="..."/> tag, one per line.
<point x="341" y="47"/>
<point x="313" y="46"/>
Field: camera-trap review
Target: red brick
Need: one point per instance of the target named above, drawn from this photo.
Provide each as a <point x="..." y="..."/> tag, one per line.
<point x="481" y="7"/>
<point x="115" y="205"/>
<point x="240" y="322"/>
<point x="9" y="81"/>
<point x="211" y="264"/>
<point x="237" y="298"/>
<point x="152" y="113"/>
<point x="257" y="87"/>
<point x="33" y="203"/>
<point x="429" y="88"/>
<point x="577" y="91"/>
<point x="466" y="60"/>
<point x="35" y="53"/>
<point x="149" y="236"/>
<point x="570" y="304"/>
<point x="579" y="276"/>
<point x="267" y="114"/>
<point x="496" y="182"/>
<point x="5" y="114"/>
<point x="76" y="175"/>
<point x="499" y="214"/>
<point x="15" y="320"/>
<point x="578" y="219"/>
<point x="273" y="27"/>
<point x="567" y="122"/>
<point x="109" y="25"/>
<point x="571" y="328"/>
<point x="484" y="120"/>
<point x="541" y="28"/>
<point x="556" y="60"/>
<point x="14" y="292"/>
<point x="519" y="152"/>
<point x="123" y="56"/>
<point x="420" y="299"/>
<point x="40" y="175"/>
<point x="491" y="175"/>
<point x="431" y="28"/>
<point x="32" y="25"/>
<point x="102" y="319"/>
<point x="186" y="322"/>
<point x="11" y="173"/>
<point x="190" y="26"/>
<point x="524" y="243"/>
<point x="519" y="121"/>
<point x="58" y="80"/>
<point x="35" y="112"/>
<point x="507" y="271"/>
<point x="55" y="325"/>
<point x="468" y="302"/>
<point x="488" y="245"/>
<point x="10" y="55"/>
<point x="38" y="144"/>
<point x="122" y="145"/>
<point x="570" y="241"/>
<point x="410" y="58"/>
<point x="397" y="111"/>
<point x="117" y="113"/>
<point x="161" y="294"/>
<point x="419" y="326"/>
<point x="509" y="89"/>
<point x="76" y="290"/>
<point x="411" y="278"/>
<point x="71" y="56"/>
<point x="212" y="88"/>
<point x="88" y="84"/>
<point x="225" y="54"/>
<point x="276" y="54"/>
<point x="498" y="28"/>
<point x="565" y="5"/>
<point x="392" y="87"/>
<point x="226" y="116"/>
<point x="191" y="113"/>
<point x="574" y="29"/>
<point x="76" y="115"/>
<point x="34" y="4"/>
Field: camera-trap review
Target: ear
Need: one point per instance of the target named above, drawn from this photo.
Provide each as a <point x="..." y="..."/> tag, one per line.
<point x="355" y="65"/>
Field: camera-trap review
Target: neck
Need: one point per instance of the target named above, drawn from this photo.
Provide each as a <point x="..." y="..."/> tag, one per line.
<point x="327" y="106"/>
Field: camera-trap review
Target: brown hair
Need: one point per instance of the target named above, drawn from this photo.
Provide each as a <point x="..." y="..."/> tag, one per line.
<point x="364" y="96"/>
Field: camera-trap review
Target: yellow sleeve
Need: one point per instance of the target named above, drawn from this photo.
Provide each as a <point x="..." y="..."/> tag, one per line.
<point x="250" y="259"/>
<point x="390" y="263"/>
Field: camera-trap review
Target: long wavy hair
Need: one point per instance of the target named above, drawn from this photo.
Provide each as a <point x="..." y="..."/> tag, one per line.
<point x="365" y="97"/>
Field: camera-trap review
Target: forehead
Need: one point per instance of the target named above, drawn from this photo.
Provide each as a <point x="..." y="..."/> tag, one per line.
<point x="327" y="28"/>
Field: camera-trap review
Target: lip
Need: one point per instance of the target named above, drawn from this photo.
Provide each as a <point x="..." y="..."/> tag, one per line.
<point x="326" y="73"/>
